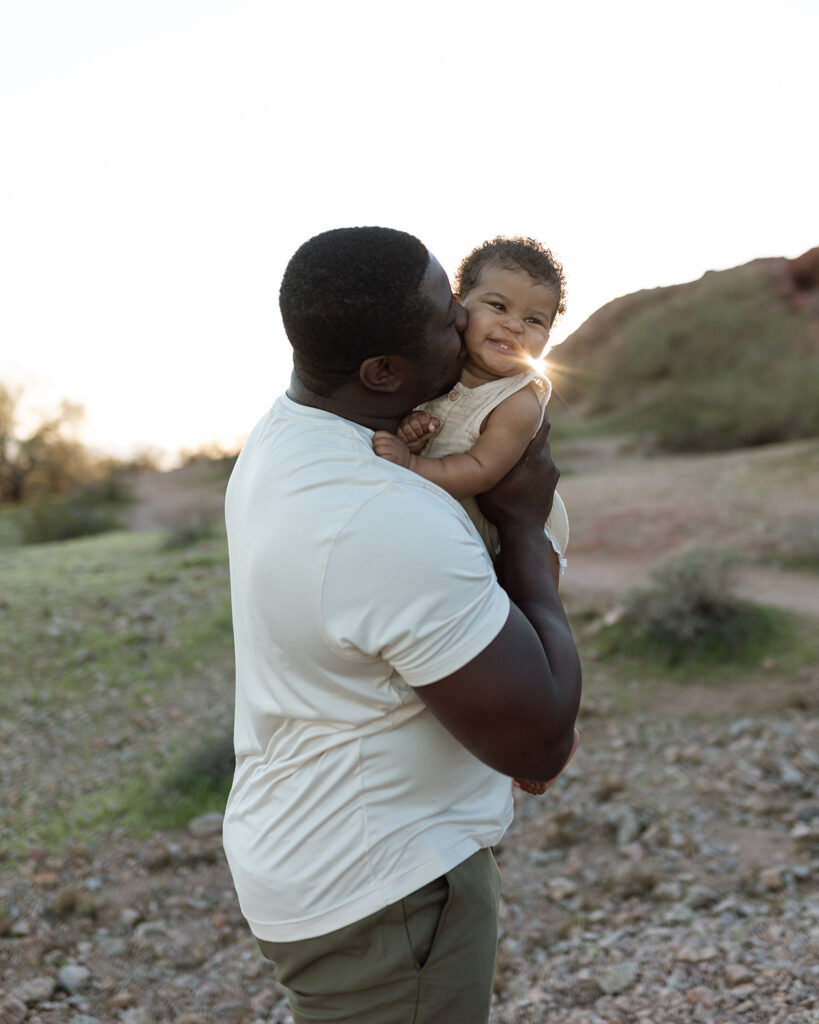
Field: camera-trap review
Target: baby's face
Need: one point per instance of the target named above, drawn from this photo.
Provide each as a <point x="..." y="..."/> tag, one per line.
<point x="510" y="316"/>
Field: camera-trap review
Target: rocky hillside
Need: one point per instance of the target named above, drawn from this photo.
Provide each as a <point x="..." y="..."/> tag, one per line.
<point x="724" y="362"/>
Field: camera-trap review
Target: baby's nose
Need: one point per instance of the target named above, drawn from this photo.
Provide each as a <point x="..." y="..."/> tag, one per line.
<point x="513" y="323"/>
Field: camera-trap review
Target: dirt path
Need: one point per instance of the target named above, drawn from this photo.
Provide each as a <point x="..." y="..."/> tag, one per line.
<point x="628" y="513"/>
<point x="590" y="573"/>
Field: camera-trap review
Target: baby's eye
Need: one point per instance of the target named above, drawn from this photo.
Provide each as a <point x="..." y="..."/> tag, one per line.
<point x="534" y="320"/>
<point x="498" y="305"/>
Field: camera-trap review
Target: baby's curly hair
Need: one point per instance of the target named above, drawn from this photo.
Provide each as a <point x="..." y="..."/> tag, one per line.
<point x="513" y="254"/>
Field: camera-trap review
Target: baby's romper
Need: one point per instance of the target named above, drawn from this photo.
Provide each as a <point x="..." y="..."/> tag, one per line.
<point x="462" y="412"/>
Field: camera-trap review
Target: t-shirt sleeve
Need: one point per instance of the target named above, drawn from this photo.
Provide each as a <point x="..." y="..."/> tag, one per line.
<point x="409" y="582"/>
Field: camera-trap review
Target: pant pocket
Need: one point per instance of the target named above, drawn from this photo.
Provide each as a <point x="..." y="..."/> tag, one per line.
<point x="424" y="917"/>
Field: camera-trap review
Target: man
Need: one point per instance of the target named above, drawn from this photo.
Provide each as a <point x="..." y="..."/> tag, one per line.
<point x="387" y="685"/>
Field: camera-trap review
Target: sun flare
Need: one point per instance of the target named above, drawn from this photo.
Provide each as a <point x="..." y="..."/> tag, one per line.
<point x="540" y="366"/>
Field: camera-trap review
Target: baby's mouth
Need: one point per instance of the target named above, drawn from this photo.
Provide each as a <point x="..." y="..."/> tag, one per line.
<point x="507" y="347"/>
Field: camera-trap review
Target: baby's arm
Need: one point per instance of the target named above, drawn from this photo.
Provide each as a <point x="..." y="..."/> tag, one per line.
<point x="509" y="429"/>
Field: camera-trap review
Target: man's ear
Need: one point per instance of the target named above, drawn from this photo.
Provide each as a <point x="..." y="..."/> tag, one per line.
<point x="381" y="373"/>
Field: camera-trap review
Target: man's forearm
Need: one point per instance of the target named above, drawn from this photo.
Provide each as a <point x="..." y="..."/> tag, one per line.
<point x="524" y="570"/>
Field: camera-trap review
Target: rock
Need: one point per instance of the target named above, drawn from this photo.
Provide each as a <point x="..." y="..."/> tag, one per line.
<point x="700" y="996"/>
<point x="13" y="1011"/>
<point x="773" y="879"/>
<point x="561" y="889"/>
<point x="790" y="775"/>
<point x="617" y="977"/>
<point x="699" y="897"/>
<point x="194" y="1018"/>
<point x="111" y="946"/>
<point x="156" y="938"/>
<point x="206" y="825"/>
<point x="610" y="784"/>
<point x="137" y="1015"/>
<point x="625" y="822"/>
<point x="157" y="857"/>
<point x="37" y="990"/>
<point x="584" y="992"/>
<point x="670" y="891"/>
<point x="83" y="1018"/>
<point x="634" y="880"/>
<point x="690" y="955"/>
<point x="130" y="917"/>
<point x="122" y="1000"/>
<point x="73" y="978"/>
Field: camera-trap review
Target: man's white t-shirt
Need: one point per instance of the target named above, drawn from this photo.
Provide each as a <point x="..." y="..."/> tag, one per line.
<point x="352" y="581"/>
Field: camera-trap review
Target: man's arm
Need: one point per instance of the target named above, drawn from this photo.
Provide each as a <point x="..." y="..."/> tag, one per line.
<point x="514" y="705"/>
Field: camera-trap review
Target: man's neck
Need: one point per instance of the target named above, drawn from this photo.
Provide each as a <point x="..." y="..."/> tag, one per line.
<point x="347" y="402"/>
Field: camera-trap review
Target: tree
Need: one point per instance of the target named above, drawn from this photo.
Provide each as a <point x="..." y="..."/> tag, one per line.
<point x="46" y="460"/>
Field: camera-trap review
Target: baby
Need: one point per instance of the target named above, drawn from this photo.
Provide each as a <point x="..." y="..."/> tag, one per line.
<point x="513" y="289"/>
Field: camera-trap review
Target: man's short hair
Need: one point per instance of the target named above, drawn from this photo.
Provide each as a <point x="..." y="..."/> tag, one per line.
<point x="350" y="294"/>
<point x="513" y="254"/>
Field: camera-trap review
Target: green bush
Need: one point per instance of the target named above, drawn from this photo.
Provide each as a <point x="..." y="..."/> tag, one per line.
<point x="65" y="519"/>
<point x="197" y="784"/>
<point x="188" y="531"/>
<point x="721" y="412"/>
<point x="690" y="614"/>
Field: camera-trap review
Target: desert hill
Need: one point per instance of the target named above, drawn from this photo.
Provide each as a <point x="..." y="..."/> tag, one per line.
<point x="727" y="361"/>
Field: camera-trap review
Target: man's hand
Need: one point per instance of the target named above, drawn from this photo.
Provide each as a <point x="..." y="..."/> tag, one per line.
<point x="524" y="496"/>
<point x="416" y="429"/>
<point x="391" y="448"/>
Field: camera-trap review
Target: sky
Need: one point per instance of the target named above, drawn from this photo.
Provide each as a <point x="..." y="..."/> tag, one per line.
<point x="163" y="159"/>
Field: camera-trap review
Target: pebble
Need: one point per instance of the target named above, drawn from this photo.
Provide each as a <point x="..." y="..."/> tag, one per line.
<point x="617" y="978"/>
<point x="206" y="825"/>
<point x="73" y="978"/>
<point x="625" y="822"/>
<point x="130" y="917"/>
<point x="773" y="879"/>
<point x="13" y="1011"/>
<point x="736" y="974"/>
<point x="37" y="990"/>
<point x="561" y="888"/>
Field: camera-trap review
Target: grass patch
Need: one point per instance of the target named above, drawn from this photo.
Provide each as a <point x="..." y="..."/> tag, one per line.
<point x="798" y="546"/>
<point x="112" y="651"/>
<point x="690" y="617"/>
<point x="196" y="784"/>
<point x="190" y="531"/>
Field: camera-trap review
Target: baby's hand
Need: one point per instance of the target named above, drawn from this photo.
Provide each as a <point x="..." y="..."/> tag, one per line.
<point x="535" y="788"/>
<point x="416" y="429"/>
<point x="538" y="788"/>
<point x="391" y="448"/>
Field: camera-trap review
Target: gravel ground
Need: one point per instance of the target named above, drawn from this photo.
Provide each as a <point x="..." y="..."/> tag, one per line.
<point x="670" y="876"/>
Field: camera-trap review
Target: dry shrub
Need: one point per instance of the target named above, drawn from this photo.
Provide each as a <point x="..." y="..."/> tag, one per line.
<point x="690" y="613"/>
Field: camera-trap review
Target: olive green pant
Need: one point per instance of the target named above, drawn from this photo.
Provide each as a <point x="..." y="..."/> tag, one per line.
<point x="427" y="959"/>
